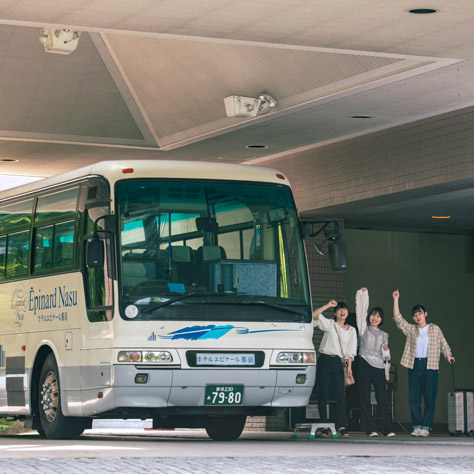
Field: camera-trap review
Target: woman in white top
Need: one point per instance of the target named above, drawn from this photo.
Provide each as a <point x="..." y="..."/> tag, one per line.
<point x="330" y="368"/>
<point x="373" y="352"/>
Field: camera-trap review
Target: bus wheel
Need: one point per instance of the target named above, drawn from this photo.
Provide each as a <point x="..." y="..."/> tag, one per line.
<point x="225" y="428"/>
<point x="54" y="424"/>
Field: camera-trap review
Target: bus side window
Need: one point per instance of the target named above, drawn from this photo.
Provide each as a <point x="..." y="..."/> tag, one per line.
<point x="43" y="249"/>
<point x="17" y="253"/>
<point x="64" y="245"/>
<point x="3" y="252"/>
<point x="54" y="252"/>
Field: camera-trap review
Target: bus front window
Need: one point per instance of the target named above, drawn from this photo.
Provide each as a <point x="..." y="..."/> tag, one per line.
<point x="209" y="243"/>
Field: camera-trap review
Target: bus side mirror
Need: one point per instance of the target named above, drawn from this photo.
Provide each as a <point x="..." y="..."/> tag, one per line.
<point x="95" y="253"/>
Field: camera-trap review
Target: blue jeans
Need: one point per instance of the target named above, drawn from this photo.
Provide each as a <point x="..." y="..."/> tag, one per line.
<point x="422" y="382"/>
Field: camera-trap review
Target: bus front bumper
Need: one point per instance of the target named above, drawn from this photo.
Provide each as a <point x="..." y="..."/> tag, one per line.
<point x="139" y="387"/>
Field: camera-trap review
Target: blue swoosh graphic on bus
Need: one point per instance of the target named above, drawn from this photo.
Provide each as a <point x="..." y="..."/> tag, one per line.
<point x="193" y="333"/>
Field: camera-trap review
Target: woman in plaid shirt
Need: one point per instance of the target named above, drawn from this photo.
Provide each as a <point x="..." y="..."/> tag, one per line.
<point x="421" y="355"/>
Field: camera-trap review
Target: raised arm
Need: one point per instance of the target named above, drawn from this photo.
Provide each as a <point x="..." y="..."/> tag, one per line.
<point x="399" y="320"/>
<point x="362" y="306"/>
<point x="317" y="312"/>
<point x="396" y="307"/>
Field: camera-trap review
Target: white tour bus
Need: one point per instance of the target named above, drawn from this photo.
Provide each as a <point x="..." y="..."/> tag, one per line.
<point x="176" y="291"/>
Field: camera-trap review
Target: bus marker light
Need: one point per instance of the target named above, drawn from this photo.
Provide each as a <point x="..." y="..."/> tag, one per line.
<point x="141" y="378"/>
<point x="127" y="170"/>
<point x="23" y="348"/>
<point x="100" y="395"/>
<point x="301" y="378"/>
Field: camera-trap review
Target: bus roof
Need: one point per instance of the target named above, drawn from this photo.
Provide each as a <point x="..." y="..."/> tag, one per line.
<point x="114" y="171"/>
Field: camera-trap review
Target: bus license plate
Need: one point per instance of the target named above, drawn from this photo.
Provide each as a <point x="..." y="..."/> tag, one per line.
<point x="224" y="395"/>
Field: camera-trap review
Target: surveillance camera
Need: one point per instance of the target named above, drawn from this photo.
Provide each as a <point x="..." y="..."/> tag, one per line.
<point x="239" y="106"/>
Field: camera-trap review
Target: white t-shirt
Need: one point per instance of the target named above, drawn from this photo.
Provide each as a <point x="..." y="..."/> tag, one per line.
<point x="422" y="343"/>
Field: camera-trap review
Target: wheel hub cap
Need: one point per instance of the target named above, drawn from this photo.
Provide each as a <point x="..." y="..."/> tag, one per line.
<point x="49" y="396"/>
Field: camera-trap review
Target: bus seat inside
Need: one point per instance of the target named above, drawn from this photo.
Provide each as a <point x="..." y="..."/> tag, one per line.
<point x="205" y="255"/>
<point x="182" y="265"/>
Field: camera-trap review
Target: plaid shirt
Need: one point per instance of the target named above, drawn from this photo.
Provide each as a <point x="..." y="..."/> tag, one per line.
<point x="436" y="344"/>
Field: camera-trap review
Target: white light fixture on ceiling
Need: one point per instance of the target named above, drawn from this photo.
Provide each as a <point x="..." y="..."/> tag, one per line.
<point x="239" y="106"/>
<point x="60" y="41"/>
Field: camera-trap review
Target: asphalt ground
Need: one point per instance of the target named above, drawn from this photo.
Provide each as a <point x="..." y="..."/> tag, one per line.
<point x="139" y="450"/>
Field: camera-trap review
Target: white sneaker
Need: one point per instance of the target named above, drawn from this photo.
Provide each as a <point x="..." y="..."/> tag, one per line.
<point x="416" y="432"/>
<point x="424" y="433"/>
<point x="390" y="435"/>
<point x="374" y="433"/>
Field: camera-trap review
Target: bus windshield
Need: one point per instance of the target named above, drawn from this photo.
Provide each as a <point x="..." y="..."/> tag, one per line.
<point x="210" y="250"/>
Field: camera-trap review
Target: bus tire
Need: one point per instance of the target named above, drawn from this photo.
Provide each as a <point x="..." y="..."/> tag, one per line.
<point x="225" y="428"/>
<point x="54" y="424"/>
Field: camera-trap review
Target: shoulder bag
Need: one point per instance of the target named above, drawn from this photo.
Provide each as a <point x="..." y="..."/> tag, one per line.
<point x="348" y="379"/>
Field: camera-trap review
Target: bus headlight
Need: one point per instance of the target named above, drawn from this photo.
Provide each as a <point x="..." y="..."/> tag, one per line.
<point x="129" y="356"/>
<point x="158" y="357"/>
<point x="296" y="358"/>
<point x="162" y="357"/>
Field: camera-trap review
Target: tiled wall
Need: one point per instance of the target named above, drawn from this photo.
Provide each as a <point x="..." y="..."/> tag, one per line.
<point x="324" y="282"/>
<point x="431" y="151"/>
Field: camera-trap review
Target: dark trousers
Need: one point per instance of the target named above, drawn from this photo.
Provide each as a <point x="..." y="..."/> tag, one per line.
<point x="367" y="376"/>
<point x="422" y="382"/>
<point x="330" y="373"/>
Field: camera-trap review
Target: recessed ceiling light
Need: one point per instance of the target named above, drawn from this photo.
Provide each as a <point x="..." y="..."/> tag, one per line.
<point x="423" y="11"/>
<point x="441" y="217"/>
<point x="256" y="147"/>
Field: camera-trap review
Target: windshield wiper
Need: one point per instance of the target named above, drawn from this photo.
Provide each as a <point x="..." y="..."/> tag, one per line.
<point x="272" y="305"/>
<point x="204" y="293"/>
<point x="179" y="298"/>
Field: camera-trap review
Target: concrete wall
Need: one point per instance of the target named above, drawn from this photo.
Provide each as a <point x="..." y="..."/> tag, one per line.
<point x="436" y="271"/>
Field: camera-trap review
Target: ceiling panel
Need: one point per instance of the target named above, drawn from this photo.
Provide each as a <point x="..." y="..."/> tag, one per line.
<point x="181" y="83"/>
<point x="70" y="98"/>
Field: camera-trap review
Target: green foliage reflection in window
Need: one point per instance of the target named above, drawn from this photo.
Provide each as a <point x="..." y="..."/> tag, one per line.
<point x="14" y="215"/>
<point x="60" y="205"/>
<point x="17" y="254"/>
